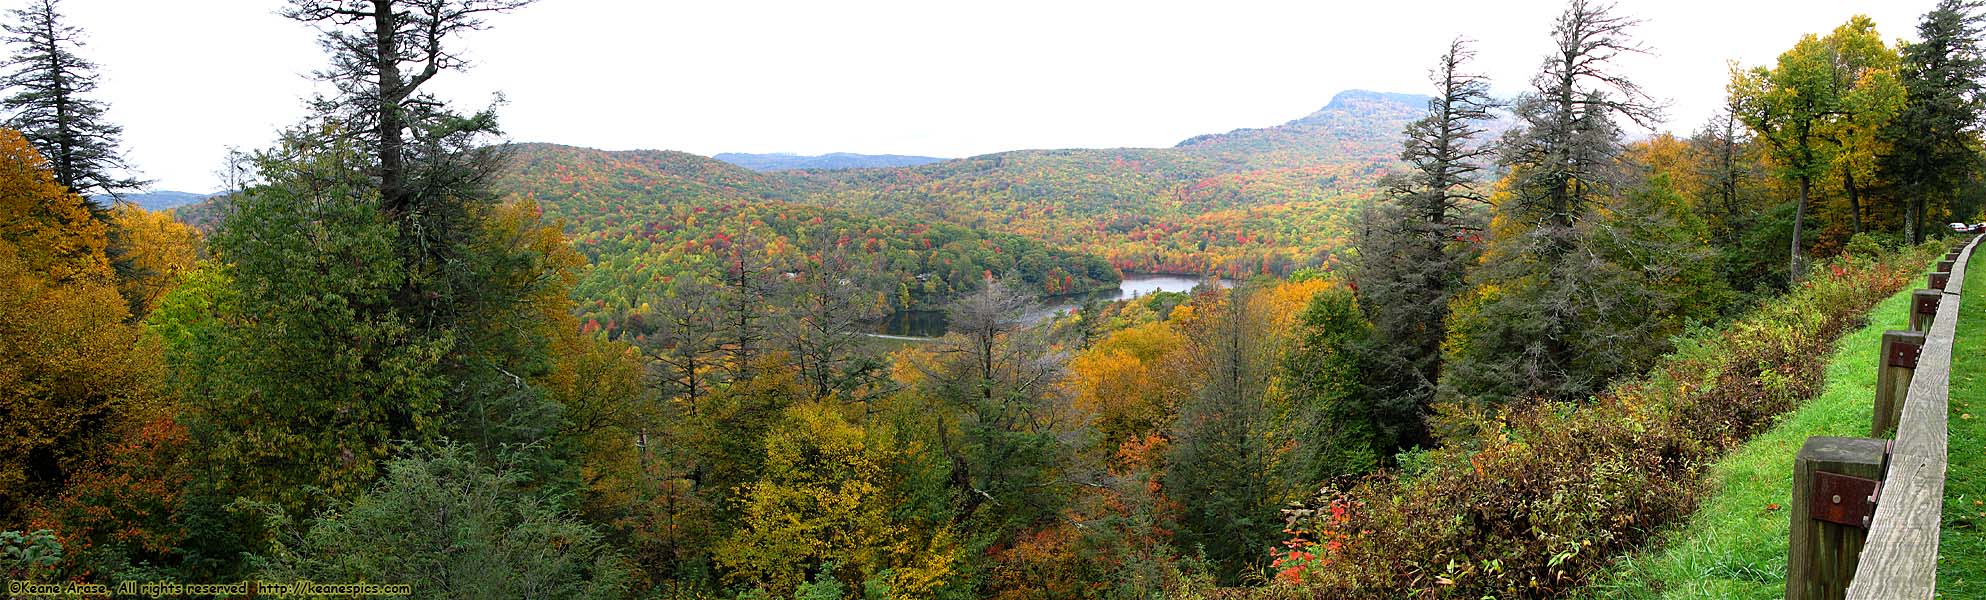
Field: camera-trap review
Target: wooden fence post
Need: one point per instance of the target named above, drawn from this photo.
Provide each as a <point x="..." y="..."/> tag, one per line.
<point x="1894" y="370"/>
<point x="1924" y="308"/>
<point x="1938" y="280"/>
<point x="1945" y="266"/>
<point x="1835" y="480"/>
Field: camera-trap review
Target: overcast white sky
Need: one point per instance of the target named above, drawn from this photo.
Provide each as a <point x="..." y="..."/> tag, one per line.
<point x="931" y="77"/>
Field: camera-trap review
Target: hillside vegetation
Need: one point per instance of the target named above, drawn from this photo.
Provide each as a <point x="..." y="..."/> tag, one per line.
<point x="1252" y="201"/>
<point x="1258" y="201"/>
<point x="646" y="219"/>
<point x="1469" y="346"/>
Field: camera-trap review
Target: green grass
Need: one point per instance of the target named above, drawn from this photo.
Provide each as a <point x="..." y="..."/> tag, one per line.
<point x="1962" y="544"/>
<point x="1734" y="546"/>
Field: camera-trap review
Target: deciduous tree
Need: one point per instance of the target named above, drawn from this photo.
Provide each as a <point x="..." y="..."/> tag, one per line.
<point x="1227" y="447"/>
<point x="73" y="368"/>
<point x="1826" y="96"/>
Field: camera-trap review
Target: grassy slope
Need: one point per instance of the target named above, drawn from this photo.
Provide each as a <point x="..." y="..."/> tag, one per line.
<point x="1962" y="545"/>
<point x="1735" y="545"/>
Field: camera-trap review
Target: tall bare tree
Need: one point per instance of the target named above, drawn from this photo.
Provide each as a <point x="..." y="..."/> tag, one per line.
<point x="1568" y="296"/>
<point x="749" y="285"/>
<point x="824" y="332"/>
<point x="685" y="349"/>
<point x="1728" y="172"/>
<point x="1561" y="153"/>
<point x="1228" y="440"/>
<point x="997" y="380"/>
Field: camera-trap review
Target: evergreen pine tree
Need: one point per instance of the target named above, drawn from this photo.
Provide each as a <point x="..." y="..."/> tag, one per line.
<point x="1569" y="296"/>
<point x="50" y="103"/>
<point x="1935" y="140"/>
<point x="1412" y="250"/>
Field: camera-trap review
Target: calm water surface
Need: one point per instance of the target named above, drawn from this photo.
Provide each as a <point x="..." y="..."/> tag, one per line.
<point x="931" y="323"/>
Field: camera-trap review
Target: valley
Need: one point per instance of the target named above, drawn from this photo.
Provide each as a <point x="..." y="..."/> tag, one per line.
<point x="1268" y="201"/>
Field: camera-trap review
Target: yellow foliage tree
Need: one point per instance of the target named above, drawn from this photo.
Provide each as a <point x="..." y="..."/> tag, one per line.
<point x="1124" y="382"/>
<point x="155" y="251"/>
<point x="824" y="498"/>
<point x="51" y="230"/>
<point x="1284" y="301"/>
<point x="72" y="368"/>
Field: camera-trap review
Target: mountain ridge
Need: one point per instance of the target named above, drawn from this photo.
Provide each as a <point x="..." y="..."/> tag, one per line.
<point x="156" y="200"/>
<point x="1267" y="200"/>
<point x="786" y="161"/>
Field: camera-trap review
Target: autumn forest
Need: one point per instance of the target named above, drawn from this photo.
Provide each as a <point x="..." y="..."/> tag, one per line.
<point x="1445" y="344"/>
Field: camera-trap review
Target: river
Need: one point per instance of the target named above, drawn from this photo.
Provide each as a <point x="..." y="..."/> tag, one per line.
<point x="922" y="324"/>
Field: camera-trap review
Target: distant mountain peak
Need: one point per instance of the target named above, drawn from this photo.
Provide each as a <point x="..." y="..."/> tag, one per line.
<point x="156" y="200"/>
<point x="1355" y="122"/>
<point x="1368" y="102"/>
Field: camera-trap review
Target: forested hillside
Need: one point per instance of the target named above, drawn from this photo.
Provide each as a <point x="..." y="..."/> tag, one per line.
<point x="157" y="200"/>
<point x="1470" y="346"/>
<point x="647" y="219"/>
<point x="1356" y="126"/>
<point x="1259" y="201"/>
<point x="1251" y="201"/>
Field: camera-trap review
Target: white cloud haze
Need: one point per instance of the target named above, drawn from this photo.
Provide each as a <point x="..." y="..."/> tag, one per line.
<point x="942" y="78"/>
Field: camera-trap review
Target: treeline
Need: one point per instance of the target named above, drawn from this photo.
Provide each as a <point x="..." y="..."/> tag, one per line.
<point x="1164" y="210"/>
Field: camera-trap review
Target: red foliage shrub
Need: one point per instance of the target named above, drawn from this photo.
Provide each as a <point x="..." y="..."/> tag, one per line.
<point x="119" y="512"/>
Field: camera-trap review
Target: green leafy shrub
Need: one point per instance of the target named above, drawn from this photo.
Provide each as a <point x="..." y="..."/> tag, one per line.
<point x="452" y="529"/>
<point x="1550" y="492"/>
<point x="25" y="554"/>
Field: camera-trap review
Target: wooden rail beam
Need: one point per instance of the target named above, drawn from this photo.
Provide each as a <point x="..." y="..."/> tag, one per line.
<point x="1899" y="559"/>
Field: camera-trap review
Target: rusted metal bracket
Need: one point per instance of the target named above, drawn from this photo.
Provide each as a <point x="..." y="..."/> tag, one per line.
<point x="1844" y="499"/>
<point x="1904" y="354"/>
<point x="1927" y="305"/>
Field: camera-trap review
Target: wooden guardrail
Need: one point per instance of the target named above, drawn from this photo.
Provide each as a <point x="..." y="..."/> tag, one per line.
<point x="1866" y="511"/>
